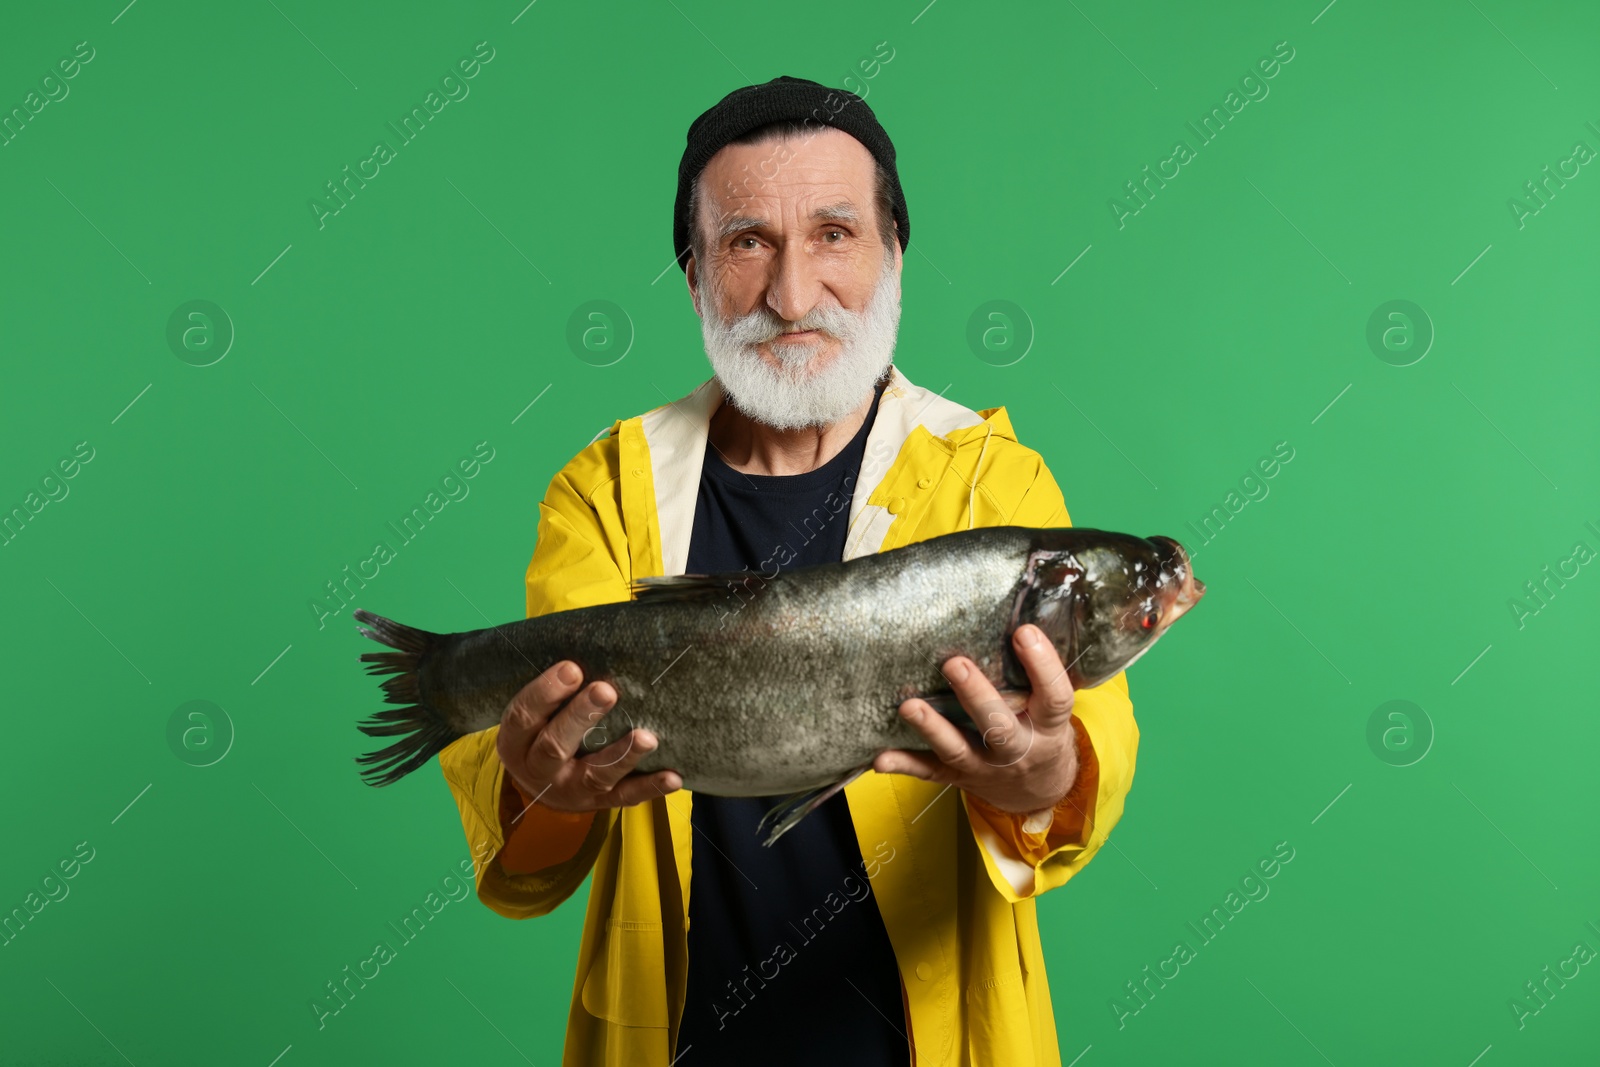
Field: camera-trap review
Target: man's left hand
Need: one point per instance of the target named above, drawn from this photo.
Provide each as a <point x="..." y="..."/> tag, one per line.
<point x="1027" y="762"/>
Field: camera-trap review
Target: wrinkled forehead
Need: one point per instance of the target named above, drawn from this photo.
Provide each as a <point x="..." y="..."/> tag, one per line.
<point x="789" y="180"/>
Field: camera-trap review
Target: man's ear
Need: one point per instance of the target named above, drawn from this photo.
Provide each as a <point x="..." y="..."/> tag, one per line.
<point x="692" y="280"/>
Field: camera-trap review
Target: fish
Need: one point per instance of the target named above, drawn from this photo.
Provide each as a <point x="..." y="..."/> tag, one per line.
<point x="789" y="684"/>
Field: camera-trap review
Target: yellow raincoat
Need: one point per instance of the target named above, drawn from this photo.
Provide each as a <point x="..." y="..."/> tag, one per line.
<point x="954" y="879"/>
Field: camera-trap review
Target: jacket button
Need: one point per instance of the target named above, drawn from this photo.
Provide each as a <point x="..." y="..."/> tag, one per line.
<point x="897" y="505"/>
<point x="638" y="472"/>
<point x="924" y="972"/>
<point x="923" y="483"/>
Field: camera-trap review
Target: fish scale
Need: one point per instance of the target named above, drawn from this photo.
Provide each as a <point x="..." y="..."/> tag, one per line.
<point x="794" y="646"/>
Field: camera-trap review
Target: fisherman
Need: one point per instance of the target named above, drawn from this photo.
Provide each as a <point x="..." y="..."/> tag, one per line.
<point x="897" y="924"/>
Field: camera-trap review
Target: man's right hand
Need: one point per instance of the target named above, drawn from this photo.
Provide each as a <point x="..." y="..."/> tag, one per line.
<point x="539" y="739"/>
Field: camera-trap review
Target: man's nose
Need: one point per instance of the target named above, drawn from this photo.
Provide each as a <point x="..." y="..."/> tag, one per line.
<point x="795" y="286"/>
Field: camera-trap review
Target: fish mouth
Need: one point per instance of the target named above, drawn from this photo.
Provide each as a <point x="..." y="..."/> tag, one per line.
<point x="1181" y="589"/>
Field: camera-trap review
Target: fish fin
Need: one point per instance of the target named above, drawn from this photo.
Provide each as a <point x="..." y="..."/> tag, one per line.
<point x="783" y="817"/>
<point x="423" y="732"/>
<point x="685" y="588"/>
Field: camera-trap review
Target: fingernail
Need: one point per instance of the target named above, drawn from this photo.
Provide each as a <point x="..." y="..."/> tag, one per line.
<point x="1027" y="636"/>
<point x="568" y="673"/>
<point x="604" y="696"/>
<point x="955" y="670"/>
<point x="913" y="712"/>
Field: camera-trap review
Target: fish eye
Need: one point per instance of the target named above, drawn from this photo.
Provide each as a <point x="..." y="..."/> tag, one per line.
<point x="1150" y="620"/>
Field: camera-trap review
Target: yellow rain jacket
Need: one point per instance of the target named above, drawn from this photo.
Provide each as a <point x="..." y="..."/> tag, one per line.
<point x="954" y="879"/>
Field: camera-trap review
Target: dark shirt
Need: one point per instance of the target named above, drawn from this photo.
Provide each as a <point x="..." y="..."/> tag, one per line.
<point x="789" y="961"/>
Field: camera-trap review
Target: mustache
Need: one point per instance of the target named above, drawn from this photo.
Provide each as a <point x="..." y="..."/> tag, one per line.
<point x="762" y="325"/>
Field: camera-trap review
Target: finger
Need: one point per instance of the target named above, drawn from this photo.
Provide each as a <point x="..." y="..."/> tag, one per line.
<point x="967" y="680"/>
<point x="950" y="746"/>
<point x="1050" y="706"/>
<point x="532" y="706"/>
<point x="604" y="769"/>
<point x="916" y="764"/>
<point x="638" y="788"/>
<point x="996" y="723"/>
<point x="555" y="745"/>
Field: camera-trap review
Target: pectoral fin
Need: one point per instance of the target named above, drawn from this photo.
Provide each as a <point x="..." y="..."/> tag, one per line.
<point x="783" y="817"/>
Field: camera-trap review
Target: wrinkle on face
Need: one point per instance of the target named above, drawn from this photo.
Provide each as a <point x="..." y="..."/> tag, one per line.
<point x="788" y="242"/>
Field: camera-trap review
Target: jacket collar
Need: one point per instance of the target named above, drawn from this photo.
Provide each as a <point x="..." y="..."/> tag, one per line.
<point x="675" y="437"/>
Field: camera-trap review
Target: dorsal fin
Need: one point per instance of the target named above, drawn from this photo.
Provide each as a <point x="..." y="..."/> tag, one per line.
<point x="684" y="588"/>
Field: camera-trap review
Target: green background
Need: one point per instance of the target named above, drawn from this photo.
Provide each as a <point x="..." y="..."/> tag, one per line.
<point x="374" y="352"/>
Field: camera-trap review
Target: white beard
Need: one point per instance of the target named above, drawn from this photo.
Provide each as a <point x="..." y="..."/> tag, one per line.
<point x="797" y="395"/>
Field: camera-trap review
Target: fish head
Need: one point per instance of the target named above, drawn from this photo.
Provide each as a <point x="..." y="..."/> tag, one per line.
<point x="1106" y="605"/>
<point x="1177" y="587"/>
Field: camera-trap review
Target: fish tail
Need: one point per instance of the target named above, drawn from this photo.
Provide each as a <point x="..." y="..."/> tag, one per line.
<point x="422" y="730"/>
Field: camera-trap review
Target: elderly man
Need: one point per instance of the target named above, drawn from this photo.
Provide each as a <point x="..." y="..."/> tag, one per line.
<point x="896" y="924"/>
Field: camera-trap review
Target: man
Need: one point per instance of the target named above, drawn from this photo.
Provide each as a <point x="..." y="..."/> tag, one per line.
<point x="896" y="924"/>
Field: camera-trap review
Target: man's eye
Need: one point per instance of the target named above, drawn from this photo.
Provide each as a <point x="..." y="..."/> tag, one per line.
<point x="830" y="233"/>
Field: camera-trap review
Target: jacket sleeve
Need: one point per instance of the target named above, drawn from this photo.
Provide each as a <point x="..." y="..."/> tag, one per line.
<point x="530" y="858"/>
<point x="1026" y="855"/>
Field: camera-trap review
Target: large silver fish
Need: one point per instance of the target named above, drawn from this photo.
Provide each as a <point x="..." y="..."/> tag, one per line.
<point x="791" y="684"/>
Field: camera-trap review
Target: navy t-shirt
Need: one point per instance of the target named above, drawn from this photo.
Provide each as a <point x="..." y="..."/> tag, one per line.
<point x="789" y="962"/>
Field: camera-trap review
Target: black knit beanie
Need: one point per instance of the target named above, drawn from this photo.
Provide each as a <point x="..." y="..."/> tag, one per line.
<point x="781" y="98"/>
